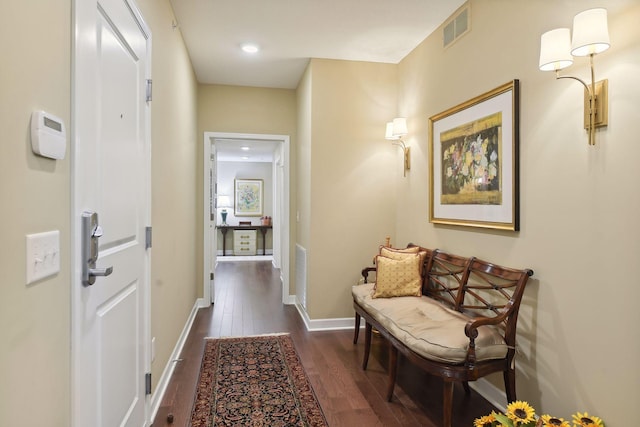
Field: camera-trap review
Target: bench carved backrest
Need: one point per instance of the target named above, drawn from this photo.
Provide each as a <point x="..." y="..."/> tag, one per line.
<point x="444" y="277"/>
<point x="424" y="268"/>
<point x="493" y="291"/>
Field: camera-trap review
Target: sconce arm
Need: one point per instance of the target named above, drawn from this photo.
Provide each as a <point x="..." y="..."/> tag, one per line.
<point x="591" y="91"/>
<point x="400" y="143"/>
<point x="406" y="155"/>
<point x="586" y="86"/>
<point x="590" y="88"/>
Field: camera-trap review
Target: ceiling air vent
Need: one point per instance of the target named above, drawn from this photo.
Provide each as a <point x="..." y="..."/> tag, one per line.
<point x="456" y="27"/>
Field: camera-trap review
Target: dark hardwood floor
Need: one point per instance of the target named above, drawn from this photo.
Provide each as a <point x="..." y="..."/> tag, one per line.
<point x="249" y="302"/>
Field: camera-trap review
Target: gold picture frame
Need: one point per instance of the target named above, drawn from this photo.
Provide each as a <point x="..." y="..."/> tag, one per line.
<point x="474" y="161"/>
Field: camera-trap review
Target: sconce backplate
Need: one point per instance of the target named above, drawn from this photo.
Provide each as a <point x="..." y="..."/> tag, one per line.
<point x="602" y="105"/>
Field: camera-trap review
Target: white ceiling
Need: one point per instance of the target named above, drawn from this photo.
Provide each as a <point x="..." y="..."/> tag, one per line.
<point x="245" y="150"/>
<point x="290" y="32"/>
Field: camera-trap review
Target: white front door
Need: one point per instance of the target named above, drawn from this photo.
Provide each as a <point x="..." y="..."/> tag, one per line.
<point x="111" y="176"/>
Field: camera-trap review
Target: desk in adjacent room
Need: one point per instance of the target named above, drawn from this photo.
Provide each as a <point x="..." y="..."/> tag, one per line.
<point x="263" y="229"/>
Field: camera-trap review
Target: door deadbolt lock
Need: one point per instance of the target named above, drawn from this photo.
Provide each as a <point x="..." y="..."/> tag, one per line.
<point x="91" y="233"/>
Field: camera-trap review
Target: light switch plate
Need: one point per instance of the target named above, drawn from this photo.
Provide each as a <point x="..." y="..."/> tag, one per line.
<point x="43" y="255"/>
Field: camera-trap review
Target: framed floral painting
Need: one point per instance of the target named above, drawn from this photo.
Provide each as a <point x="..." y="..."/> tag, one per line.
<point x="248" y="197"/>
<point x="473" y="156"/>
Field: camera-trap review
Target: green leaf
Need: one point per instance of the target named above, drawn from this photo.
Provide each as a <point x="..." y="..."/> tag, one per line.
<point x="503" y="419"/>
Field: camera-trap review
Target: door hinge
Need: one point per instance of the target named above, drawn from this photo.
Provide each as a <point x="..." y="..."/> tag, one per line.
<point x="147" y="383"/>
<point x="148" y="234"/>
<point x="149" y="90"/>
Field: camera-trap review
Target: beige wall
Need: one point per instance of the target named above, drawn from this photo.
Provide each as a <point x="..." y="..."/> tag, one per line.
<point x="34" y="195"/>
<point x="174" y="283"/>
<point x="353" y="173"/>
<point x="303" y="160"/>
<point x="578" y="347"/>
<point x="237" y="109"/>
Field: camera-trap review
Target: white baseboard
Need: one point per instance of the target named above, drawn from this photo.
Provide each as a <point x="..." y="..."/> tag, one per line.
<point x="289" y="300"/>
<point x="324" y="324"/>
<point x="229" y="252"/>
<point x="163" y="383"/>
<point x="493" y="394"/>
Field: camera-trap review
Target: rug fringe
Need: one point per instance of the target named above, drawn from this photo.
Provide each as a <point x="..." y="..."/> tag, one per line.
<point x="273" y="334"/>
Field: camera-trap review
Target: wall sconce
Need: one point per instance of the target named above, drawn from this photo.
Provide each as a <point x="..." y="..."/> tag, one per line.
<point x="224" y="202"/>
<point x="590" y="37"/>
<point x="395" y="131"/>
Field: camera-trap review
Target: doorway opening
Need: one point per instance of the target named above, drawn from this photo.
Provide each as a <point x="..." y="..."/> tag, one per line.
<point x="281" y="205"/>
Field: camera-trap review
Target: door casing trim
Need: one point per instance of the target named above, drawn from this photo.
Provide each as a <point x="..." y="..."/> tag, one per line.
<point x="286" y="198"/>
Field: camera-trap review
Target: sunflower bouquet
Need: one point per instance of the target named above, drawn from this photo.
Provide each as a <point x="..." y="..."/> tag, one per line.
<point x="521" y="414"/>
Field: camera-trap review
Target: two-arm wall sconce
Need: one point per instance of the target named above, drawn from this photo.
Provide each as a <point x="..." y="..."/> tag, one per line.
<point x="590" y="37"/>
<point x="395" y="131"/>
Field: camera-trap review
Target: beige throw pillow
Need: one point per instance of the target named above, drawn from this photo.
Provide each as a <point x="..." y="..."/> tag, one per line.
<point x="396" y="253"/>
<point x="397" y="278"/>
<point x="400" y="254"/>
<point x="385" y="251"/>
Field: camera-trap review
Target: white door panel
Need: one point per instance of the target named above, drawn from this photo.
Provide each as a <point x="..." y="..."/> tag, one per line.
<point x="111" y="177"/>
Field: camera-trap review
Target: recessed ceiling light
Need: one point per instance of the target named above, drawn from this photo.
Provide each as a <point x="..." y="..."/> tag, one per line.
<point x="244" y="148"/>
<point x="245" y="158"/>
<point x="250" y="48"/>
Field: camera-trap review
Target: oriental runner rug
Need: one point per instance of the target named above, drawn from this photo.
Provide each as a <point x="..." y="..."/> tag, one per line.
<point x="254" y="381"/>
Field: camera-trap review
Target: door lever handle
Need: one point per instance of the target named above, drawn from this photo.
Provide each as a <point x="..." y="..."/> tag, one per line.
<point x="97" y="231"/>
<point x="94" y="272"/>
<point x="91" y="232"/>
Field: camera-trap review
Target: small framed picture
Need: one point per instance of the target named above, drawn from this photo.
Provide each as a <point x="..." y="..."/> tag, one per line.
<point x="248" y="197"/>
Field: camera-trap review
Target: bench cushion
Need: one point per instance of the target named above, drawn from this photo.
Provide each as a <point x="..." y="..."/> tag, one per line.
<point x="428" y="328"/>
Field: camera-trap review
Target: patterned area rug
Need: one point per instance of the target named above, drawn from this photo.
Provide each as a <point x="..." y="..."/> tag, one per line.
<point x="254" y="381"/>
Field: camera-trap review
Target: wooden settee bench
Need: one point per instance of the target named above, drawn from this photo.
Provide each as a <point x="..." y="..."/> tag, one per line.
<point x="460" y="326"/>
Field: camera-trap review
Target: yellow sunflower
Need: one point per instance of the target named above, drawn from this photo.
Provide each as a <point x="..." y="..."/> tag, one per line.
<point x="484" y="421"/>
<point x="520" y="412"/>
<point x="549" y="421"/>
<point x="586" y="420"/>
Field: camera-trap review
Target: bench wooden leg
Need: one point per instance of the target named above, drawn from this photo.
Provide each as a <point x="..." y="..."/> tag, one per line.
<point x="367" y="344"/>
<point x="510" y="384"/>
<point x="356" y="333"/>
<point x="447" y="403"/>
<point x="393" y="370"/>
<point x="465" y="384"/>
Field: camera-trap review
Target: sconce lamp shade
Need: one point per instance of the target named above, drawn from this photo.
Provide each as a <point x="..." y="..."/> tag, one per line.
<point x="389" y="132"/>
<point x="590" y="32"/>
<point x="555" y="50"/>
<point x="396" y="129"/>
<point x="399" y="126"/>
